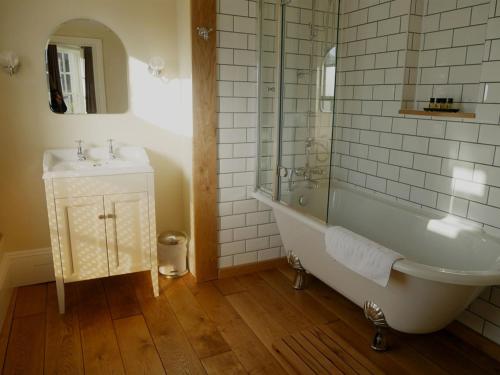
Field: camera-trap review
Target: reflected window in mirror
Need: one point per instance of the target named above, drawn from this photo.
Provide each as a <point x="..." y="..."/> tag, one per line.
<point x="328" y="72"/>
<point x="86" y="66"/>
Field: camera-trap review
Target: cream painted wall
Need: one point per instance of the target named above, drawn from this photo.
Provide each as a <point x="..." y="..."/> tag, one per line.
<point x="159" y="115"/>
<point x="114" y="59"/>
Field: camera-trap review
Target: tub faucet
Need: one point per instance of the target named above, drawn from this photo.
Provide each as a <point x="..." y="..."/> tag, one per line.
<point x="79" y="152"/>
<point x="111" y="151"/>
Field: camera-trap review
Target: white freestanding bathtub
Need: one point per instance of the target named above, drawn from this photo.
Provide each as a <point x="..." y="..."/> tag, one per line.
<point x="447" y="263"/>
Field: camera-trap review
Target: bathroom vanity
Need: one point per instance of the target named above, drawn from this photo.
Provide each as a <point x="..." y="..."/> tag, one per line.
<point x="101" y="212"/>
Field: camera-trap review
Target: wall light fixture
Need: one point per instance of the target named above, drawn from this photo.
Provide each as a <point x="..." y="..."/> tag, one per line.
<point x="9" y="61"/>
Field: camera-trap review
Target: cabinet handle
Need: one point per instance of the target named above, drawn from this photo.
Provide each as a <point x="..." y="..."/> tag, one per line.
<point x="110" y="216"/>
<point x="102" y="217"/>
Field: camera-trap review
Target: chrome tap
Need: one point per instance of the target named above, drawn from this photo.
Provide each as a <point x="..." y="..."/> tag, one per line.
<point x="111" y="151"/>
<point x="79" y="152"/>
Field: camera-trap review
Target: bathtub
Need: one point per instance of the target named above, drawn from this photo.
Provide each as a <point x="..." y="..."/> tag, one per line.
<point x="447" y="263"/>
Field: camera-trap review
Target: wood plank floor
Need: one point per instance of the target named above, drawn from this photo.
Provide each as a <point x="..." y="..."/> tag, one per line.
<point x="253" y="324"/>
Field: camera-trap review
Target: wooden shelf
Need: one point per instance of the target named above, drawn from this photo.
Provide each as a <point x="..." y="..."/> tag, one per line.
<point x="437" y="114"/>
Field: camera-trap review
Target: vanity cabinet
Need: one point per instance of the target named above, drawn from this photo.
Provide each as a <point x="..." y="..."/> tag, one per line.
<point x="101" y="226"/>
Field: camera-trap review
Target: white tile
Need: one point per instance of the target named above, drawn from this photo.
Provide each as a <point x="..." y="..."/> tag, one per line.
<point x="427" y="163"/>
<point x="411" y="177"/>
<point x="423" y="196"/>
<point x="225" y="209"/>
<point x="455" y="19"/>
<point x="447" y="149"/>
<point x="487" y="175"/>
<point x="390" y="140"/>
<point x="434" y="75"/>
<point x="404" y="126"/>
<point x="439" y="183"/>
<point x="225" y="262"/>
<point x="377" y="45"/>
<point x="469" y="35"/>
<point x="367" y="166"/>
<point x="245" y="206"/>
<point x="401" y="158"/>
<point x="245" y="258"/>
<point x="465" y="74"/>
<point x="438" y="39"/>
<point x="441" y="6"/>
<point x="453" y="205"/>
<point x="451" y="56"/>
<point x="484" y="214"/>
<point x="356" y="178"/>
<point x="236" y="7"/>
<point x="232" y="40"/>
<point x="232" y="194"/>
<point x="430" y="128"/>
<point x="489" y="134"/>
<point x="232" y="221"/>
<point x="375" y="183"/>
<point x="390" y="172"/>
<point x="245" y="233"/>
<point x="386" y="60"/>
<point x="476" y="153"/>
<point x="415" y="144"/>
<point x="492" y="332"/>
<point x="486" y="310"/>
<point x="382" y="124"/>
<point x="269" y="254"/>
<point x="494" y="197"/>
<point x="245" y="25"/>
<point x="458" y="169"/>
<point x="256" y="218"/>
<point x="480" y="14"/>
<point x="379" y="12"/>
<point x="472" y="321"/>
<point x="388" y="26"/>
<point x="378" y="154"/>
<point x="398" y="190"/>
<point x="268" y="229"/>
<point x="460" y="131"/>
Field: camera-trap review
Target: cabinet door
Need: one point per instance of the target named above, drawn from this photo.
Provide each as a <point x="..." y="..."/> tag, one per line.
<point x="82" y="238"/>
<point x="127" y="232"/>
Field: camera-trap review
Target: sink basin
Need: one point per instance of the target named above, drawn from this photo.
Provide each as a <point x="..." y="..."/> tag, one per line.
<point x="61" y="163"/>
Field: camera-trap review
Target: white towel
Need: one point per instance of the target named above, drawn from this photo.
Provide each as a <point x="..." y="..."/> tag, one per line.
<point x="361" y="255"/>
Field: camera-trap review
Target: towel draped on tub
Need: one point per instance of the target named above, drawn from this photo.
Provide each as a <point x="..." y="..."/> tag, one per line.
<point x="361" y="255"/>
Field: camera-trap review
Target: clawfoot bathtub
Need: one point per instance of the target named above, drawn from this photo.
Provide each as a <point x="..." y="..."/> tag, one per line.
<point x="447" y="263"/>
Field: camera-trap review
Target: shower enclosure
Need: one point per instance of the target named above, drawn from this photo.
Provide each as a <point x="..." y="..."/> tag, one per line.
<point x="297" y="70"/>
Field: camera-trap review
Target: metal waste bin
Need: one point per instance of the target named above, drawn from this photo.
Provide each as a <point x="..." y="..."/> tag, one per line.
<point x="172" y="253"/>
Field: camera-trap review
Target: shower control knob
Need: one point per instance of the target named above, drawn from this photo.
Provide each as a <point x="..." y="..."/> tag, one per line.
<point x="282" y="171"/>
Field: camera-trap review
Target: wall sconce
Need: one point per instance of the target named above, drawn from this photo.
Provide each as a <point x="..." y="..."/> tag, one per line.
<point x="9" y="61"/>
<point x="155" y="66"/>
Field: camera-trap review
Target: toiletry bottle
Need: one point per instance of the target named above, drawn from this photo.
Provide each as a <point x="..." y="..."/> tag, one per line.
<point x="432" y="103"/>
<point x="450" y="103"/>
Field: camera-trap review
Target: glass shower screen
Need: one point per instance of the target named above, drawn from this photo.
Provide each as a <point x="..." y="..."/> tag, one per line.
<point x="297" y="70"/>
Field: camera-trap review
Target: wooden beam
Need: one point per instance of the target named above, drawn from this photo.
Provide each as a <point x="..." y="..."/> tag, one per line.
<point x="203" y="14"/>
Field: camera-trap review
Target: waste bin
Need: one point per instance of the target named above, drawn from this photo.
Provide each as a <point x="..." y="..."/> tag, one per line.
<point x="172" y="253"/>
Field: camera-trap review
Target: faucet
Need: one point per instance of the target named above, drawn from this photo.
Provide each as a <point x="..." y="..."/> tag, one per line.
<point x="111" y="151"/>
<point x="80" y="153"/>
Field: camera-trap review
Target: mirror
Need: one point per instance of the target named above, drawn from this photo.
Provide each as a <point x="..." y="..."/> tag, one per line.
<point x="86" y="66"/>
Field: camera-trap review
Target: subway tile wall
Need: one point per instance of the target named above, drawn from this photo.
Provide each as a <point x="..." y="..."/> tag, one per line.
<point x="247" y="229"/>
<point x="416" y="49"/>
<point x="429" y="163"/>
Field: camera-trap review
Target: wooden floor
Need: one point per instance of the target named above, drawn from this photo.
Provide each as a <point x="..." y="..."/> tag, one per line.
<point x="250" y="324"/>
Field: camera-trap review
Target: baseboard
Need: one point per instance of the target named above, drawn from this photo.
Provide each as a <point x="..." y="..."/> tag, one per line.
<point x="475" y="339"/>
<point x="251" y="268"/>
<point x="5" y="288"/>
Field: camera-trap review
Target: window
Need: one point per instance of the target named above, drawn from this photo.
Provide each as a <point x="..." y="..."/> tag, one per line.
<point x="328" y="80"/>
<point x="72" y="72"/>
